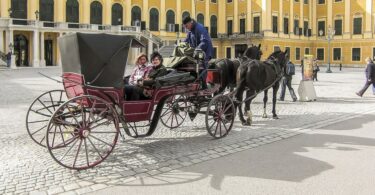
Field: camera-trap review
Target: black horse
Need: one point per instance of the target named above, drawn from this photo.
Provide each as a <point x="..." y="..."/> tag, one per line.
<point x="229" y="67"/>
<point x="257" y="76"/>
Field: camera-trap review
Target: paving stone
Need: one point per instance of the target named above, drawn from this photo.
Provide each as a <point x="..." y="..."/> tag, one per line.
<point x="83" y="190"/>
<point x="55" y="190"/>
<point x="70" y="187"/>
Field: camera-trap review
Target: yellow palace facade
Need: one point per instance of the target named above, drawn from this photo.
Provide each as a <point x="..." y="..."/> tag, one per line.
<point x="335" y="31"/>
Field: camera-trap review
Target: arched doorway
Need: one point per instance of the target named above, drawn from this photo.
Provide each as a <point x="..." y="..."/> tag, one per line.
<point x="170" y="21"/>
<point x="21" y="50"/>
<point x="116" y="14"/>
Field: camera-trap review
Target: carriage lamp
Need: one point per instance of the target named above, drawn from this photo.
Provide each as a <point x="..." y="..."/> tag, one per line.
<point x="330" y="33"/>
<point x="37" y="15"/>
<point x="10" y="12"/>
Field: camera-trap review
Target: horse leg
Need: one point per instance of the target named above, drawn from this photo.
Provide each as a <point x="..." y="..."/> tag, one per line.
<point x="265" y="99"/>
<point x="274" y="94"/>
<point x="238" y="103"/>
<point x="248" y="112"/>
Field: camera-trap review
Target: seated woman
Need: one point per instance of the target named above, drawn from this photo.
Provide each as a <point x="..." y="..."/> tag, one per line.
<point x="139" y="92"/>
<point x="140" y="72"/>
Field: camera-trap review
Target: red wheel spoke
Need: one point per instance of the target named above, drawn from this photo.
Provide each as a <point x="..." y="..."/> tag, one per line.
<point x="95" y="148"/>
<point x="101" y="141"/>
<point x="54" y="135"/>
<point x="79" y="149"/>
<point x="69" y="150"/>
<point x="63" y="144"/>
<point x="39" y="121"/>
<point x="45" y="106"/>
<point x="53" y="105"/>
<point x="62" y="136"/>
<point x="103" y="132"/>
<point x="87" y="155"/>
<point x="39" y="129"/>
<point x="73" y="116"/>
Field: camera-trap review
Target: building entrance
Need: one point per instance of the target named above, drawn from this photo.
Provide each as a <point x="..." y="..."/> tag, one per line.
<point x="48" y="52"/>
<point x="21" y="50"/>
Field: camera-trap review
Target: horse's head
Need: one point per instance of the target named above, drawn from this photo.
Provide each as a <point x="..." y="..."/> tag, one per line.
<point x="280" y="58"/>
<point x="253" y="52"/>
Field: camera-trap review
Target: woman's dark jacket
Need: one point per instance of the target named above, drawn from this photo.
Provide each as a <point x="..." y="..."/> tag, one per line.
<point x="154" y="73"/>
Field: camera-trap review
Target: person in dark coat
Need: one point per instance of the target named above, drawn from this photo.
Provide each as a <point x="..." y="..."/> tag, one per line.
<point x="370" y="76"/>
<point x="198" y="38"/>
<point x="287" y="82"/>
<point x="143" y="90"/>
<point x="9" y="58"/>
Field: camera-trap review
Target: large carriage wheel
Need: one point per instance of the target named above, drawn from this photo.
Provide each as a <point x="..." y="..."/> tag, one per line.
<point x="82" y="132"/>
<point x="174" y="112"/>
<point x="220" y="116"/>
<point x="39" y="113"/>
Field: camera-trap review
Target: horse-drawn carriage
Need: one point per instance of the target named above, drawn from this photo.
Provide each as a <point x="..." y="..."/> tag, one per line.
<point x="81" y="124"/>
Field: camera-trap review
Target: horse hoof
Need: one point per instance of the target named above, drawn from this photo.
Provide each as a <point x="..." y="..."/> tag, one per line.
<point x="275" y="117"/>
<point x="246" y="123"/>
<point x="264" y="116"/>
<point x="249" y="122"/>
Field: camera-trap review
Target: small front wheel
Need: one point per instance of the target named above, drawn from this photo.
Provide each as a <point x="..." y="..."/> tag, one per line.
<point x="220" y="116"/>
<point x="39" y="113"/>
<point x="174" y="112"/>
<point x="82" y="132"/>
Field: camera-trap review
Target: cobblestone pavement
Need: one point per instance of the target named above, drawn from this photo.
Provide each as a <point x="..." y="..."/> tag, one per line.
<point x="28" y="168"/>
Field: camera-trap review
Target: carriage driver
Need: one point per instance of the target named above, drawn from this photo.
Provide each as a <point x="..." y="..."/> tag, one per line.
<point x="198" y="38"/>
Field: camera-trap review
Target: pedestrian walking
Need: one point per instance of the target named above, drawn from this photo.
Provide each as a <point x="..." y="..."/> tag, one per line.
<point x="316" y="69"/>
<point x="370" y="76"/>
<point x="287" y="82"/>
<point x="340" y="66"/>
<point x="303" y="78"/>
<point x="9" y="58"/>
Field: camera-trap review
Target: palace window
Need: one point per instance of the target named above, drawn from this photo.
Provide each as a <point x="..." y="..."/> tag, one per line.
<point x="136" y="16"/>
<point x="230" y="27"/>
<point x="320" y="54"/>
<point x="229" y="53"/>
<point x="256" y="24"/>
<point x="200" y="19"/>
<point x="96" y="11"/>
<point x="72" y="11"/>
<point x="286" y="25"/>
<point x="305" y="28"/>
<point x="322" y="26"/>
<point x="306" y="1"/>
<point x="242" y="25"/>
<point x="336" y="54"/>
<point x="214" y="53"/>
<point x="213" y="1"/>
<point x="321" y="2"/>
<point x="213" y="25"/>
<point x="170" y="21"/>
<point x="19" y="9"/>
<point x="357" y="26"/>
<point x="338" y="27"/>
<point x="154" y="20"/>
<point x="296" y="27"/>
<point x="46" y="10"/>
<point x="274" y="24"/>
<point x="356" y="54"/>
<point x="117" y="14"/>
<point x="298" y="53"/>
<point x="307" y="51"/>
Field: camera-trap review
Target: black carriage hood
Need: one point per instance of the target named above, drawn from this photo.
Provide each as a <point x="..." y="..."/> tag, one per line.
<point x="101" y="58"/>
